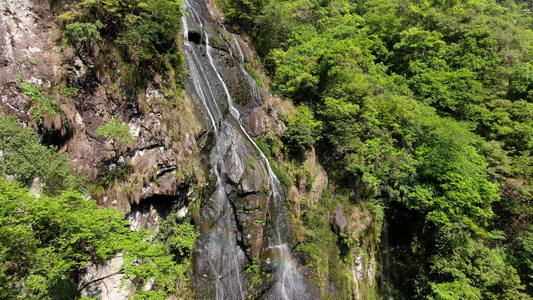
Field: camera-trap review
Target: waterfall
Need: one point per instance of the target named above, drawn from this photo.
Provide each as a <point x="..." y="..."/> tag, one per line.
<point x="220" y="256"/>
<point x="256" y="95"/>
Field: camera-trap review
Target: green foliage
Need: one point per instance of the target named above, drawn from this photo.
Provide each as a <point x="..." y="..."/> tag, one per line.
<point x="243" y="11"/>
<point x="282" y="176"/>
<point x="452" y="182"/>
<point x="68" y="92"/>
<point x="521" y="257"/>
<point x="521" y="83"/>
<point x="265" y="148"/>
<point x="328" y="253"/>
<point x="146" y="261"/>
<point x="153" y="31"/>
<point x="421" y="105"/>
<point x="118" y="174"/>
<point x="118" y="132"/>
<point x="178" y="235"/>
<point x="139" y="36"/>
<point x="46" y="241"/>
<point x="254" y="75"/>
<point x="302" y="129"/>
<point x="473" y="271"/>
<point x="41" y="105"/>
<point x="25" y="159"/>
<point x="143" y="30"/>
<point x="78" y="33"/>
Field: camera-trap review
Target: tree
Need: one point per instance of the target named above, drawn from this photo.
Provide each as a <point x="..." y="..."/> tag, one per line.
<point x="143" y="29"/>
<point x="81" y="35"/>
<point x="521" y="83"/>
<point x="452" y="184"/>
<point x="473" y="271"/>
<point x="46" y="242"/>
<point x="521" y="257"/>
<point x="302" y="129"/>
<point x="24" y="158"/>
<point x="118" y="132"/>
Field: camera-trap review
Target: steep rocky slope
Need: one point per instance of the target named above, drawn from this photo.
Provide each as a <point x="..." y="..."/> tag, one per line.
<point x="165" y="152"/>
<point x="152" y="175"/>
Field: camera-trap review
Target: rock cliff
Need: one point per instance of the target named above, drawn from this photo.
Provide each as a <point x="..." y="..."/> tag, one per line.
<point x="161" y="117"/>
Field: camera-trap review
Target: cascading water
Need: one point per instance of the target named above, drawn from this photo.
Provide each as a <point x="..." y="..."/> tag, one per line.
<point x="256" y="95"/>
<point x="220" y="256"/>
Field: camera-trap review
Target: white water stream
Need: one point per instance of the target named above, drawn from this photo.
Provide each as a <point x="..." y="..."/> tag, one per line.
<point x="221" y="254"/>
<point x="256" y="94"/>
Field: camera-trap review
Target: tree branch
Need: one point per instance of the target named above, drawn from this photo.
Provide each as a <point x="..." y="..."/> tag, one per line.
<point x="121" y="271"/>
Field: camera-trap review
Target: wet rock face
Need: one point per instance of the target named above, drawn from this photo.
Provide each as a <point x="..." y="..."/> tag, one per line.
<point x="339" y="221"/>
<point x="255" y="122"/>
<point x="244" y="222"/>
<point x="251" y="215"/>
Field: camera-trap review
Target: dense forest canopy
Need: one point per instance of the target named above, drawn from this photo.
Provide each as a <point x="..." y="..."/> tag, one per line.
<point x="428" y="106"/>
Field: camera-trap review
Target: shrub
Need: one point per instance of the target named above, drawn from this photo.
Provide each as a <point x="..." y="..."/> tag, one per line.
<point x="43" y="108"/>
<point x="118" y="132"/>
<point x="302" y="129"/>
<point x="78" y="33"/>
<point x="25" y="158"/>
